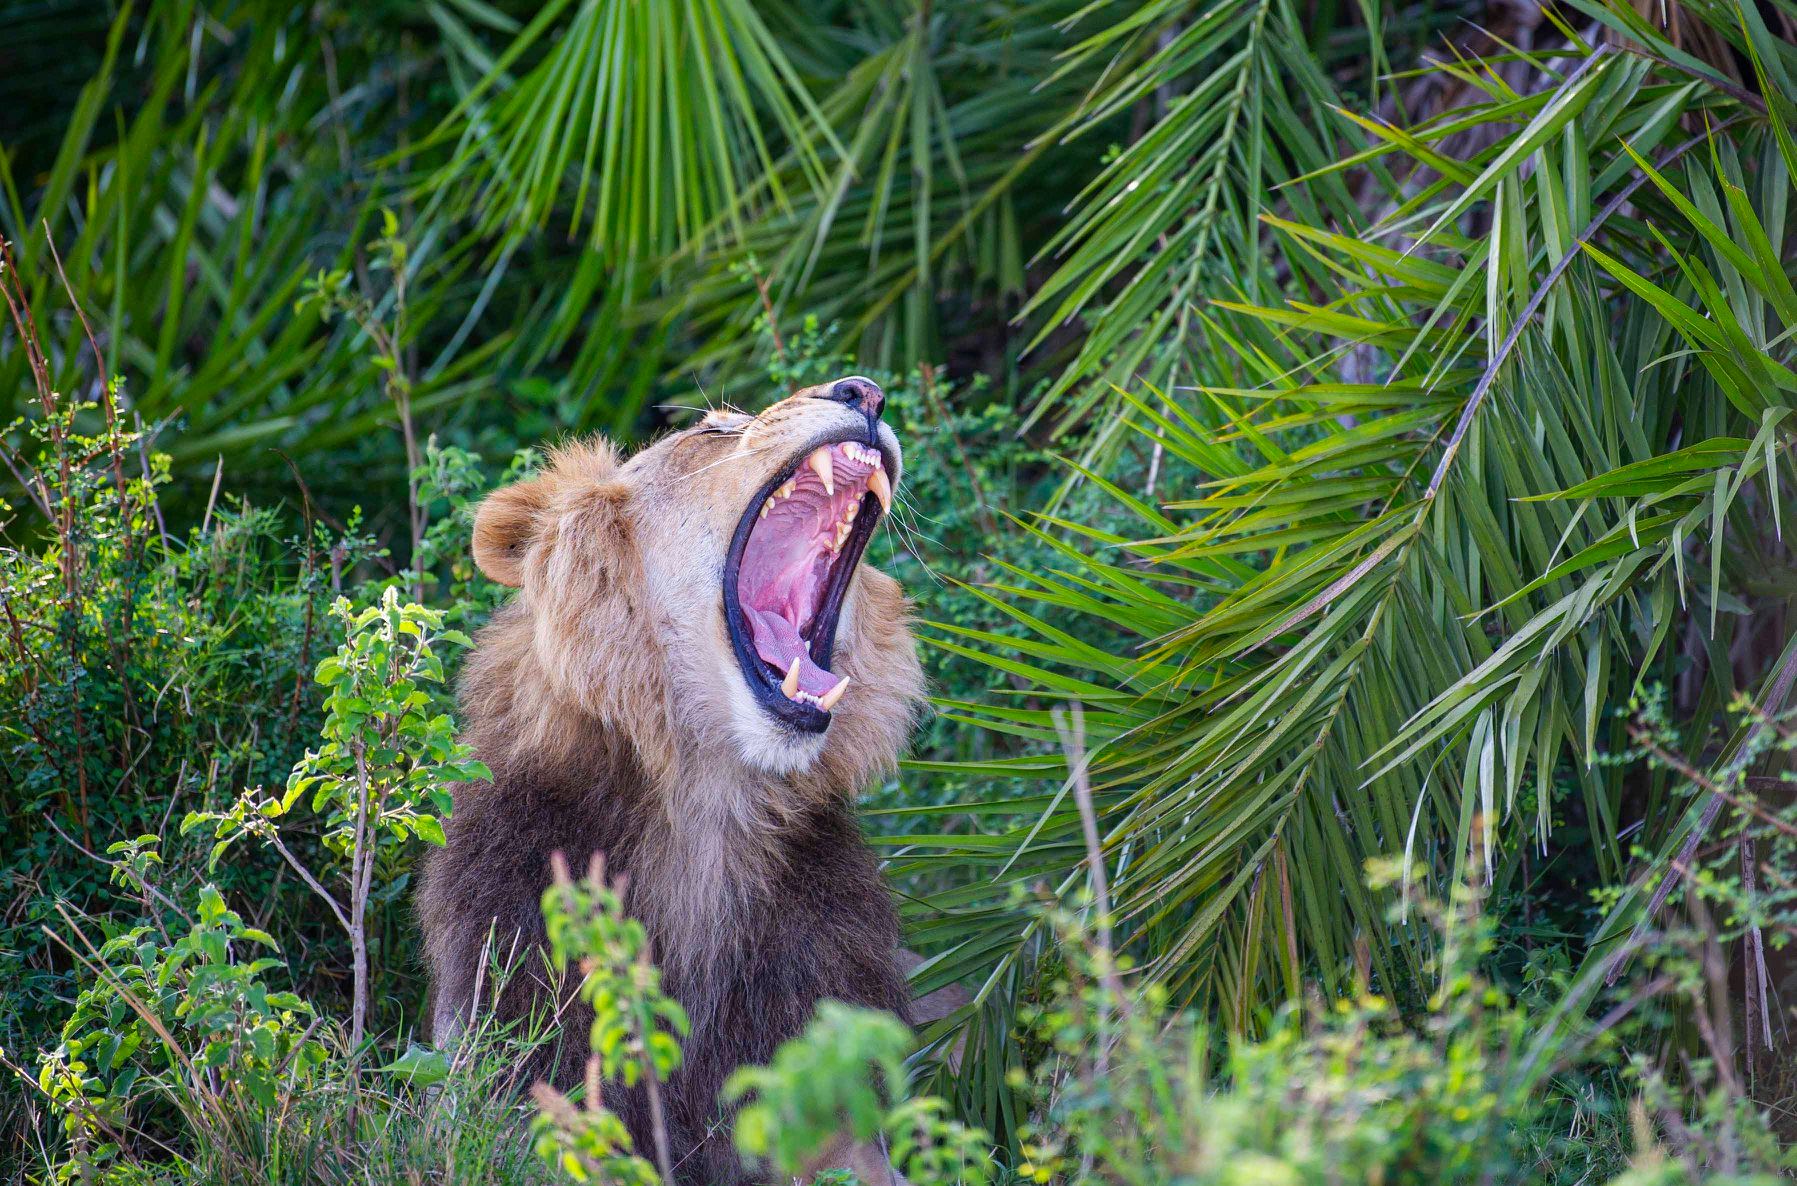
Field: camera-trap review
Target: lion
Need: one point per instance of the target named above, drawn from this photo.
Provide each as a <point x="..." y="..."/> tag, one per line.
<point x="695" y="677"/>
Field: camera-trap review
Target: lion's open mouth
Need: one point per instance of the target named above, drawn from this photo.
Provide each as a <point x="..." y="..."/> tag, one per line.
<point x="788" y="571"/>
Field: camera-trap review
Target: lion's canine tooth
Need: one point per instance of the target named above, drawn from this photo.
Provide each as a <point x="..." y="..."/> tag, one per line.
<point x="829" y="699"/>
<point x="881" y="487"/>
<point x="790" y="685"/>
<point x="820" y="465"/>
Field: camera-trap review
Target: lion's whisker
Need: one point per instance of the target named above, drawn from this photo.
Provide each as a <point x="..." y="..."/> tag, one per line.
<point x="910" y="536"/>
<point x="919" y="533"/>
<point x="911" y="549"/>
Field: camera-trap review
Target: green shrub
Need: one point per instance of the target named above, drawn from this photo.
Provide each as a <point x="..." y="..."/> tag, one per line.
<point x="142" y="672"/>
<point x="1125" y="1089"/>
<point x="844" y="1077"/>
<point x="178" y="1015"/>
<point x="381" y="777"/>
<point x="1461" y="1091"/>
<point x="635" y="1035"/>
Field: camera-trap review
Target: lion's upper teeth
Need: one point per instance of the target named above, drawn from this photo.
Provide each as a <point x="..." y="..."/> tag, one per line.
<point x="881" y="487"/>
<point x="820" y="464"/>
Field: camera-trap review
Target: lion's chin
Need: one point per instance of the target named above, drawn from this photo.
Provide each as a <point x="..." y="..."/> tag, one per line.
<point x="776" y="751"/>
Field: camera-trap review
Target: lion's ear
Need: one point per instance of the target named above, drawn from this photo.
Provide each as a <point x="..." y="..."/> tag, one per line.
<point x="510" y="520"/>
<point x="504" y="526"/>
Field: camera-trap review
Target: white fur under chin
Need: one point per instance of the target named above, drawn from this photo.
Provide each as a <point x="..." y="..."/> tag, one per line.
<point x="764" y="743"/>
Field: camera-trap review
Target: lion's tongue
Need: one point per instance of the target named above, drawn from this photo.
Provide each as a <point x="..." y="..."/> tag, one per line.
<point x="778" y="642"/>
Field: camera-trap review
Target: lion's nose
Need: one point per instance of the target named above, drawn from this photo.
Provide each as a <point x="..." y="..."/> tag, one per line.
<point x="862" y="394"/>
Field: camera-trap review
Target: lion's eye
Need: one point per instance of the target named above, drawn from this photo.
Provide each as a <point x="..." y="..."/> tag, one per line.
<point x="725" y="422"/>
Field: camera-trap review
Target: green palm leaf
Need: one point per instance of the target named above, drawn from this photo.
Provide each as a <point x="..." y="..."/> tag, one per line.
<point x="646" y="126"/>
<point x="1466" y="484"/>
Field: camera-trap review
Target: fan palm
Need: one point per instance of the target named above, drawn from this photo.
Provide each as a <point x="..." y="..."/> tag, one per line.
<point x="189" y="231"/>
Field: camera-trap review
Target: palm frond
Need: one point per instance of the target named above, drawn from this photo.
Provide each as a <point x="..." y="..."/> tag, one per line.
<point x="646" y="127"/>
<point x="1421" y="533"/>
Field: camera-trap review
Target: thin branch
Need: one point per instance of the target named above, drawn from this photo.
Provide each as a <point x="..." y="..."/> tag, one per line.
<point x="658" y="1123"/>
<point x="1779" y="691"/>
<point x="303" y="668"/>
<point x="218" y="475"/>
<point x="1070" y="724"/>
<point x="274" y="836"/>
<point x="1694" y="775"/>
<point x="39" y="497"/>
<point x="92" y="855"/>
<point x="358" y="921"/>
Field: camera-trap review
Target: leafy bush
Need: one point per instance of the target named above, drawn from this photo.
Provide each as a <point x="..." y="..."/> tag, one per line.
<point x="130" y="658"/>
<point x="381" y="777"/>
<point x="636" y="1029"/>
<point x="1469" y="1088"/>
<point x="177" y="1015"/>
<point x="844" y="1078"/>
<point x="1126" y="1089"/>
<point x="148" y="672"/>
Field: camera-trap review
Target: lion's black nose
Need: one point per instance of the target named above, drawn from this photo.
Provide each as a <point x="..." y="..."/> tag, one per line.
<point x="862" y="394"/>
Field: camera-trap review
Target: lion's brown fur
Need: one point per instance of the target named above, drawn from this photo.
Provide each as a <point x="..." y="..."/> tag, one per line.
<point x="600" y="698"/>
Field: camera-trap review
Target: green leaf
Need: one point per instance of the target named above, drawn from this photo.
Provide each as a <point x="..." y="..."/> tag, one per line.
<point x="420" y="1066"/>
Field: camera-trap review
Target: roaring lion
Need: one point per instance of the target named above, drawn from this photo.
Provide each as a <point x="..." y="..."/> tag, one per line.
<point x="695" y="677"/>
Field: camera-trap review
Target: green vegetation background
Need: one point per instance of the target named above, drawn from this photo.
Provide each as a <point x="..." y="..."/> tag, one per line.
<point x="1376" y="421"/>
